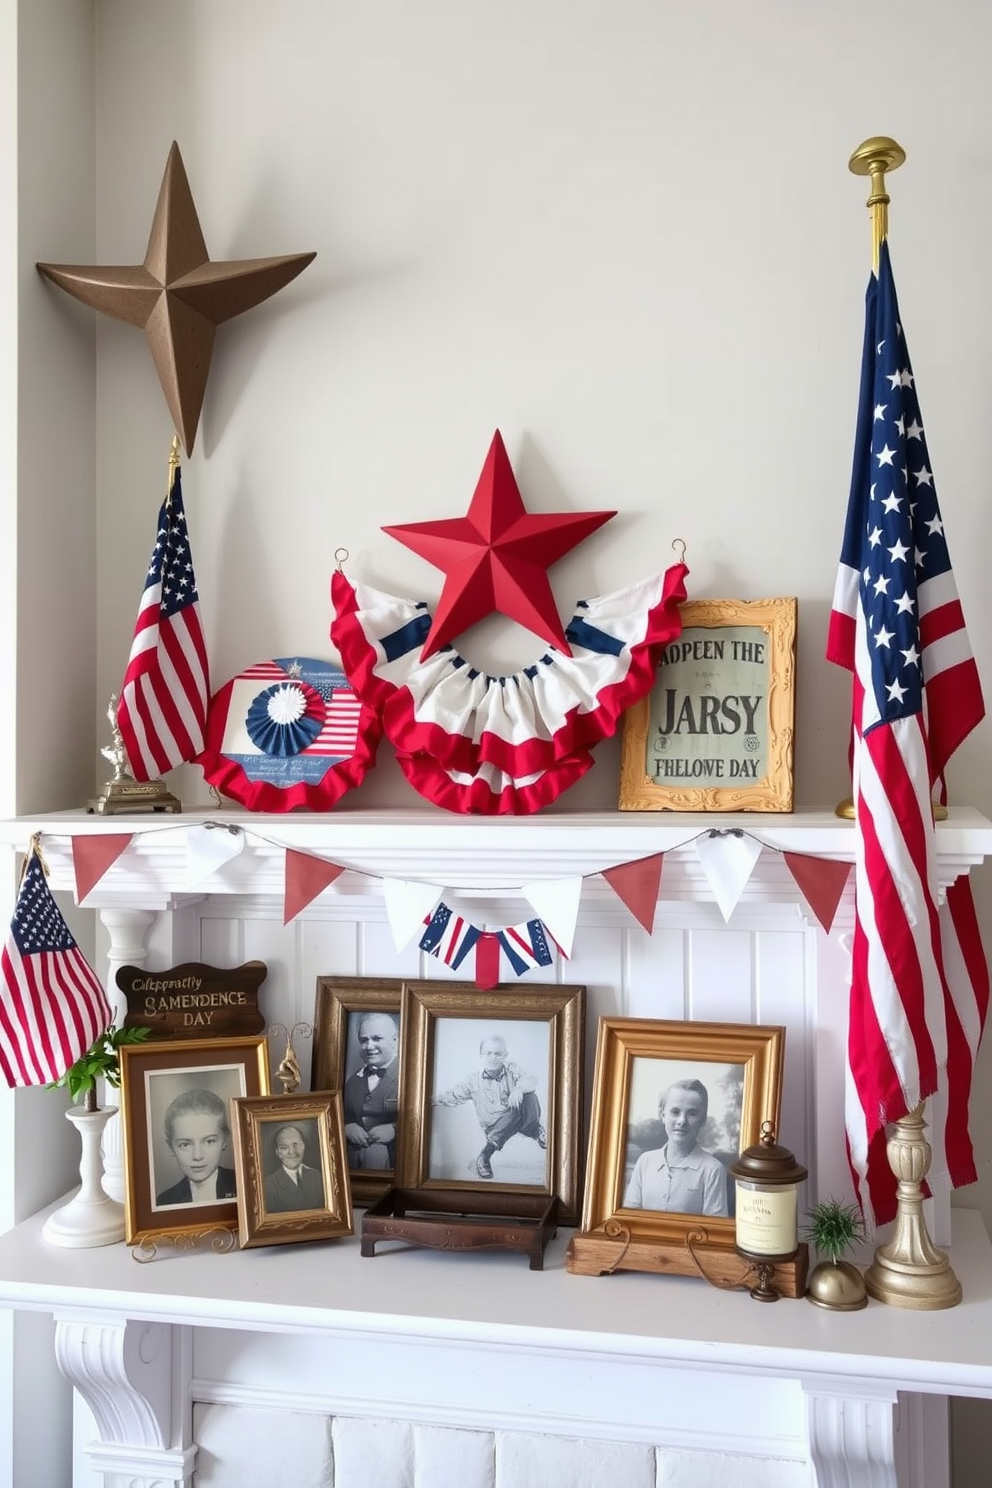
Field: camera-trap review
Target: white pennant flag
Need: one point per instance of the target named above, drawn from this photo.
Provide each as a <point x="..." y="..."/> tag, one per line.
<point x="408" y="905"/>
<point x="556" y="902"/>
<point x="728" y="861"/>
<point x="208" y="848"/>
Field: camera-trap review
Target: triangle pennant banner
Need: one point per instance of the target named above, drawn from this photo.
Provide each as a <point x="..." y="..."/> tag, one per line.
<point x="821" y="881"/>
<point x="409" y="905"/>
<point x="92" y="856"/>
<point x="556" y="902"/>
<point x="728" y="858"/>
<point x="636" y="885"/>
<point x="208" y="848"/>
<point x="306" y="877"/>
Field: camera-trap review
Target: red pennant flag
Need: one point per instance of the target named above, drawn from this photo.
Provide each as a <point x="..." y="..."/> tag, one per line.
<point x="306" y="877"/>
<point x="822" y="883"/>
<point x="636" y="884"/>
<point x="92" y="856"/>
<point x="487" y="961"/>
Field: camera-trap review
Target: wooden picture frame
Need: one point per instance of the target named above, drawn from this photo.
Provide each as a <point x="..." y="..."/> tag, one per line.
<point x="640" y="1062"/>
<point x="717" y="730"/>
<point x="442" y="1136"/>
<point x="176" y="1120"/>
<point x="276" y="1137"/>
<point x="342" y="1003"/>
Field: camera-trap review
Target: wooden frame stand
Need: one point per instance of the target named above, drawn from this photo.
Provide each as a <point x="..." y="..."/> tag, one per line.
<point x="597" y="1254"/>
<point x="453" y="1220"/>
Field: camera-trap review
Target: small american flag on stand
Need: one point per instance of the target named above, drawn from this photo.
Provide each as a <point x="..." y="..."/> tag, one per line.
<point x="919" y="979"/>
<point x="52" y="1004"/>
<point x="166" y="688"/>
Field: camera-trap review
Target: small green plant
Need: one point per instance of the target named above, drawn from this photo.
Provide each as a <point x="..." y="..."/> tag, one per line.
<point x="833" y="1227"/>
<point x="100" y="1062"/>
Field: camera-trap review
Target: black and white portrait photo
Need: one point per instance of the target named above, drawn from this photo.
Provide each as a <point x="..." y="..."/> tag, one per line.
<point x="371" y="1090"/>
<point x="292" y="1176"/>
<point x="683" y="1130"/>
<point x="489" y="1101"/>
<point x="189" y="1134"/>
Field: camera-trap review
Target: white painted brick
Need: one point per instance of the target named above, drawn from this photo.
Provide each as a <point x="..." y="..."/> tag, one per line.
<point x="525" y="1461"/>
<point x="721" y="1470"/>
<point x="448" y="1458"/>
<point x="238" y="1445"/>
<point x="371" y="1454"/>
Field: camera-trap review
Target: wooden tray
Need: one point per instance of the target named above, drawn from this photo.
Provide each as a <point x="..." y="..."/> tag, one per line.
<point x="596" y="1254"/>
<point x="459" y="1219"/>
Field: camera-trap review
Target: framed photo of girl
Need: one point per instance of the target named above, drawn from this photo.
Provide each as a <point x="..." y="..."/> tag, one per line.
<point x="492" y="1090"/>
<point x="357" y="1051"/>
<point x="674" y="1104"/>
<point x="176" y="1118"/>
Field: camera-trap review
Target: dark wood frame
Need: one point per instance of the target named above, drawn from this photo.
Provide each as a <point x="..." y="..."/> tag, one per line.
<point x="337" y="997"/>
<point x="256" y="1225"/>
<point x="563" y="1009"/>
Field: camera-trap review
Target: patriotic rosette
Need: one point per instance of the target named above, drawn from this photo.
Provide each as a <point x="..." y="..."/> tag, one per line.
<point x="288" y="733"/>
<point x="491" y="745"/>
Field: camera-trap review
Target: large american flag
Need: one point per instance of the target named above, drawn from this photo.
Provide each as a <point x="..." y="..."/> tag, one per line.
<point x="166" y="688"/>
<point x="52" y="1005"/>
<point x="919" y="980"/>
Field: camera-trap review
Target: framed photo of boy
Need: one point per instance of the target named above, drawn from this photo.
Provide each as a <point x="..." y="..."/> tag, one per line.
<point x="674" y="1104"/>
<point x="492" y="1086"/>
<point x="356" y="1050"/>
<point x="716" y="732"/>
<point x="176" y="1119"/>
<point x="292" y="1169"/>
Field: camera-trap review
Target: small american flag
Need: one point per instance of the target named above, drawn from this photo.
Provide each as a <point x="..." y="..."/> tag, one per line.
<point x="897" y="625"/>
<point x="166" y="687"/>
<point x="525" y="946"/>
<point x="448" y="936"/>
<point x="52" y="1005"/>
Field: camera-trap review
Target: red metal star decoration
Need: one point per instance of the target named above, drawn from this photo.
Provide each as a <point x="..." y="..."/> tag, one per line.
<point x="178" y="296"/>
<point x="496" y="557"/>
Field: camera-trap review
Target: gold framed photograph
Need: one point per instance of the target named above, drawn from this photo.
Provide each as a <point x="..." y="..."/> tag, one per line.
<point x="674" y="1104"/>
<point x="492" y="1090"/>
<point x="717" y="730"/>
<point x="176" y="1119"/>
<point x="356" y="1051"/>
<point x="292" y="1169"/>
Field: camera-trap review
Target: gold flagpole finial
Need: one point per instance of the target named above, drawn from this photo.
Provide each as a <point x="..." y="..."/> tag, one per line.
<point x="174" y="463"/>
<point x="873" y="158"/>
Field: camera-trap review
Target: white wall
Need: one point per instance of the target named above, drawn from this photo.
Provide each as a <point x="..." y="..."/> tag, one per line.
<point x="621" y="230"/>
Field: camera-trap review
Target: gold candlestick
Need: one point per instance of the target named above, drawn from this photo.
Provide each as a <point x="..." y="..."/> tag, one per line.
<point x="910" y="1271"/>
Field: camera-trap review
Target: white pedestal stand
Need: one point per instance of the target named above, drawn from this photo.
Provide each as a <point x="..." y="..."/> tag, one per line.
<point x="91" y="1218"/>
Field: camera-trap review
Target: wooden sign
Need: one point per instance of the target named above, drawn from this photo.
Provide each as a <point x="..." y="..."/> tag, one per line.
<point x="193" y="1000"/>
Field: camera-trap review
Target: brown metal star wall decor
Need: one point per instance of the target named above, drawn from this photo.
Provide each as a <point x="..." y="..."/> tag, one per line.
<point x="178" y="296"/>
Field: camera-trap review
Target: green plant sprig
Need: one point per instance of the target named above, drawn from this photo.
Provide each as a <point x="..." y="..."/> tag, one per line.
<point x="100" y="1062"/>
<point x="833" y="1227"/>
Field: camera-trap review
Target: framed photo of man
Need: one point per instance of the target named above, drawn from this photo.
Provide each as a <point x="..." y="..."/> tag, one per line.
<point x="356" y="1051"/>
<point x="674" y="1104"/>
<point x="176" y="1101"/>
<point x="493" y="1090"/>
<point x="292" y="1169"/>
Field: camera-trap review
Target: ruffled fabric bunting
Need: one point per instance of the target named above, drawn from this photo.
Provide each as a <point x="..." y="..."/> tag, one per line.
<point x="450" y="937"/>
<point x="488" y="745"/>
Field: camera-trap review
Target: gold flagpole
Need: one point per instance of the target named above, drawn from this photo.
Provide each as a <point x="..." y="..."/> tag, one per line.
<point x="174" y="466"/>
<point x="909" y="1271"/>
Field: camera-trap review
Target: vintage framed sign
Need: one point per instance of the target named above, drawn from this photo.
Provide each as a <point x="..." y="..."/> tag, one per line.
<point x="716" y="733"/>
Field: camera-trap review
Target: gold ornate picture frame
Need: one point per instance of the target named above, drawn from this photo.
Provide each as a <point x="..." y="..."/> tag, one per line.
<point x="292" y="1169"/>
<point x="492" y="1090"/>
<point x="716" y="733"/>
<point x="176" y="1118"/>
<point x="341" y="1006"/>
<point x="647" y="1068"/>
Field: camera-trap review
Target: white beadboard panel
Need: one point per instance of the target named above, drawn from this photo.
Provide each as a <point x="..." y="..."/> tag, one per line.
<point x="240" y="1446"/>
<point x="370" y="1454"/>
<point x="656" y="970"/>
<point x="721" y="976"/>
<point x="524" y="1461"/>
<point x="444" y="1457"/>
<point x="714" y="1470"/>
<point x="222" y="940"/>
<point x="785" y="991"/>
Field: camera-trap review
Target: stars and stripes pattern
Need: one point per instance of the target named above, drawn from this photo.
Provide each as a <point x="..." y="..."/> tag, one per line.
<point x="339" y="733"/>
<point x="450" y="937"/>
<point x="166" y="687"/>
<point x="897" y="625"/>
<point x="52" y="1005"/>
<point x="525" y="946"/>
